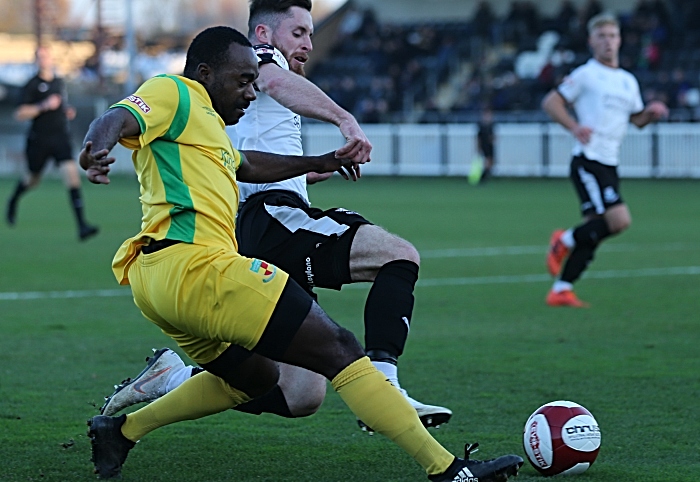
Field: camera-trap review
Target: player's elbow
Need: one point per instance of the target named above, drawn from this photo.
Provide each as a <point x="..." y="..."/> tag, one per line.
<point x="548" y="102"/>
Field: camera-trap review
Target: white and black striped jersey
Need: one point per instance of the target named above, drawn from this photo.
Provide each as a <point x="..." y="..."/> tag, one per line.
<point x="268" y="126"/>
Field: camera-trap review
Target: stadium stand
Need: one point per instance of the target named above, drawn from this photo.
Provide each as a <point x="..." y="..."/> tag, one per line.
<point x="442" y="71"/>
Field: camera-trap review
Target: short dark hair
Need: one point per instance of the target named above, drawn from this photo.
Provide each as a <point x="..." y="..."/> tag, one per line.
<point x="210" y="47"/>
<point x="271" y="12"/>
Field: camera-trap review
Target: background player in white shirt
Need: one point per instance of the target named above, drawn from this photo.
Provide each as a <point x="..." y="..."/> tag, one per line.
<point x="605" y="99"/>
<point x="317" y="248"/>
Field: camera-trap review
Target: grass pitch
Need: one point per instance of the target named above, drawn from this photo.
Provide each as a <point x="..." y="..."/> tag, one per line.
<point x="482" y="342"/>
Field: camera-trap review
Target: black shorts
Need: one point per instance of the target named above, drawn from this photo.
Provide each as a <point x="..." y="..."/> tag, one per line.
<point x="597" y="185"/>
<point x="40" y="149"/>
<point x="310" y="244"/>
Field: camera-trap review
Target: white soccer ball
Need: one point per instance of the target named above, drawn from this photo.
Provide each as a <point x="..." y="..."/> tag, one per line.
<point x="561" y="438"/>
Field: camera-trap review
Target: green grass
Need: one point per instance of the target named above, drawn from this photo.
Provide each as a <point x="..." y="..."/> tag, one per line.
<point x="493" y="352"/>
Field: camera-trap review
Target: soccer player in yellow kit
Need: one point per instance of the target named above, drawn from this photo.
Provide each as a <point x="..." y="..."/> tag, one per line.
<point x="233" y="315"/>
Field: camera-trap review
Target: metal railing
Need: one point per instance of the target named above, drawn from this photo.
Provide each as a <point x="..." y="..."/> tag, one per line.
<point x="522" y="150"/>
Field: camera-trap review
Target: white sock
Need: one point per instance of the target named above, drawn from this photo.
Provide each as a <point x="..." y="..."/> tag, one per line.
<point x="177" y="378"/>
<point x="390" y="371"/>
<point x="567" y="238"/>
<point x="560" y="286"/>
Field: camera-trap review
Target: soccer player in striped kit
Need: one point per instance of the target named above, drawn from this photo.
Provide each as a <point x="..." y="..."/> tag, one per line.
<point x="606" y="99"/>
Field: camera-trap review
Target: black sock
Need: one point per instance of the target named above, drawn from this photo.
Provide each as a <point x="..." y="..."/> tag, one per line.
<point x="19" y="190"/>
<point x="389" y="307"/>
<point x="577" y="262"/>
<point x="77" y="203"/>
<point x="272" y="402"/>
<point x="588" y="237"/>
<point x="591" y="232"/>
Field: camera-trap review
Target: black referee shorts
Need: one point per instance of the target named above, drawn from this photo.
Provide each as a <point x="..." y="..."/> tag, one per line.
<point x="41" y="148"/>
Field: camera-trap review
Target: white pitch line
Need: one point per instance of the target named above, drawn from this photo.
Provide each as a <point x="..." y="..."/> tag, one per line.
<point x="542" y="250"/>
<point x="43" y="295"/>
<point x="423" y="283"/>
<point x="536" y="278"/>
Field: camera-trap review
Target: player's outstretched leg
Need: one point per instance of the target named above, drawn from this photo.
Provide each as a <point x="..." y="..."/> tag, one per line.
<point x="334" y="352"/>
<point x="299" y="394"/>
<point x="392" y="264"/>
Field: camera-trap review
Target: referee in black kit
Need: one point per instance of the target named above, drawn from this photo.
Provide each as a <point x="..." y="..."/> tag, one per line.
<point x="43" y="101"/>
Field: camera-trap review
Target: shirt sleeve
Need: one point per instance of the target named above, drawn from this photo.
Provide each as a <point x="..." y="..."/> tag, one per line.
<point x="267" y="54"/>
<point x="572" y="85"/>
<point x="28" y="95"/>
<point x="236" y="158"/>
<point x="638" y="102"/>
<point x="153" y="105"/>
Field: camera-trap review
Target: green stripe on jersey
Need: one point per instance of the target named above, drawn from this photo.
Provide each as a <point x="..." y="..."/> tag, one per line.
<point x="139" y="119"/>
<point x="177" y="193"/>
<point x="182" y="114"/>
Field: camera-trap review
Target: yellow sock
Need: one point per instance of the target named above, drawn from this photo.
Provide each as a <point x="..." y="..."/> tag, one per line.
<point x="381" y="406"/>
<point x="203" y="394"/>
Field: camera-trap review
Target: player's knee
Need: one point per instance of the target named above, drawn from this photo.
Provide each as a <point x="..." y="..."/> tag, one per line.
<point x="347" y="348"/>
<point x="401" y="250"/>
<point x="620" y="224"/>
<point x="310" y="400"/>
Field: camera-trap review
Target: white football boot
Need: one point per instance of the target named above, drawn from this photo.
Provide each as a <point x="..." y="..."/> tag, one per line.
<point x="147" y="386"/>
<point x="430" y="415"/>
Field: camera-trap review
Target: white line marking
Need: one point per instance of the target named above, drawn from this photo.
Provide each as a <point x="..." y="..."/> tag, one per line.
<point x="43" y="295"/>
<point x="536" y="278"/>
<point x="542" y="250"/>
<point x="423" y="283"/>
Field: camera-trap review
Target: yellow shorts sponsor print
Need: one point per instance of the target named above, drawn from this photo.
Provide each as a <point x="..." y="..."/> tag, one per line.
<point x="206" y="298"/>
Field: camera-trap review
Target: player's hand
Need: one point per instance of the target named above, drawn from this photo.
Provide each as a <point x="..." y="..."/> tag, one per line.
<point x="351" y="171"/>
<point x="314" y="177"/>
<point x="357" y="147"/>
<point x="52" y="102"/>
<point x="657" y="110"/>
<point x="582" y="133"/>
<point x="96" y="165"/>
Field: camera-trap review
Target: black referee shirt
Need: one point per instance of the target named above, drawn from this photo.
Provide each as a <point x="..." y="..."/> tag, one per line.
<point x="51" y="122"/>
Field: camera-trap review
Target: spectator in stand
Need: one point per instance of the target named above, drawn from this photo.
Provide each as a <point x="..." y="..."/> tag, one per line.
<point x="483" y="21"/>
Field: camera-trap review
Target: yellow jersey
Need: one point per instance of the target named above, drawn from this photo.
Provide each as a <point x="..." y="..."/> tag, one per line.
<point x="186" y="166"/>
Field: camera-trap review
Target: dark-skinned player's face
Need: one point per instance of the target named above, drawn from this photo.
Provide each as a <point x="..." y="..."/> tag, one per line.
<point x="230" y="86"/>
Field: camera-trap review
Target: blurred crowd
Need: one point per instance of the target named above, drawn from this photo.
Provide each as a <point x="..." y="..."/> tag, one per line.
<point x="442" y="72"/>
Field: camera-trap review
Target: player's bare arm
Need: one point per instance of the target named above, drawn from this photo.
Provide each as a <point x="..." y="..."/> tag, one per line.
<point x="103" y="135"/>
<point x="261" y="167"/>
<point x="303" y="97"/>
<point x="653" y="112"/>
<point x="556" y="107"/>
<point x="30" y="111"/>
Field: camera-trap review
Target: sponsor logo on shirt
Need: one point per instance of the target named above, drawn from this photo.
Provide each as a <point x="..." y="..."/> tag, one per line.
<point x="139" y="103"/>
<point x="228" y="161"/>
<point x="266" y="270"/>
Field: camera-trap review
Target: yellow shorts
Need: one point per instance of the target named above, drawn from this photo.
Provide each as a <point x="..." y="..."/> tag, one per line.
<point x="206" y="298"/>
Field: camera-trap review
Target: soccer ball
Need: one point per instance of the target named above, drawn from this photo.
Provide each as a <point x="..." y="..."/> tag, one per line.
<point x="561" y="438"/>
